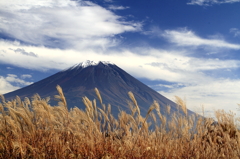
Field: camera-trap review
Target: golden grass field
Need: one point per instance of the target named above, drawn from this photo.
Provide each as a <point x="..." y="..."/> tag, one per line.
<point x="34" y="129"/>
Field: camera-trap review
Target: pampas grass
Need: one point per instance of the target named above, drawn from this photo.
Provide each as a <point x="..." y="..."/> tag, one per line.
<point x="34" y="129"/>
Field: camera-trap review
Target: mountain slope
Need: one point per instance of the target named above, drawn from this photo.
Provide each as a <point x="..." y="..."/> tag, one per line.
<point x="112" y="82"/>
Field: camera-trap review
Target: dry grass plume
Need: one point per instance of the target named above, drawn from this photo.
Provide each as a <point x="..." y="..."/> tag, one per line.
<point x="34" y="129"/>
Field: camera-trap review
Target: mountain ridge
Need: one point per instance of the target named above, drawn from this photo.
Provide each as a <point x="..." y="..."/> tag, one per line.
<point x="81" y="80"/>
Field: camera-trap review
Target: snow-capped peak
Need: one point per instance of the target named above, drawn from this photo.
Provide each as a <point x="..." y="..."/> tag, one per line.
<point x="89" y="63"/>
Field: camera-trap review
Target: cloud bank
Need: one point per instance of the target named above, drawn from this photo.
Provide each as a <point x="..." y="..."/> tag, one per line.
<point x="191" y="74"/>
<point x="210" y="2"/>
<point x="12" y="82"/>
<point x="112" y="7"/>
<point x="186" y="37"/>
<point x="213" y="95"/>
<point x="63" y="23"/>
<point x="174" y="65"/>
<point x="235" y="32"/>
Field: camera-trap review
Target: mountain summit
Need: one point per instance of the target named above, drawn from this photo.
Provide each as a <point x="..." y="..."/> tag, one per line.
<point x="89" y="63"/>
<point x="81" y="79"/>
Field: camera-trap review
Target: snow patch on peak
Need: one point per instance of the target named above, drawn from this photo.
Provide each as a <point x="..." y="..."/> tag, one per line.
<point x="89" y="63"/>
<point x="92" y="63"/>
<point x="106" y="62"/>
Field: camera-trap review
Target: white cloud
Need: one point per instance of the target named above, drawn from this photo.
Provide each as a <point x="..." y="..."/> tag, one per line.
<point x="14" y="79"/>
<point x="191" y="64"/>
<point x="210" y="2"/>
<point x="174" y="66"/>
<point x="213" y="95"/>
<point x="11" y="82"/>
<point x="186" y="37"/>
<point x="113" y="7"/>
<point x="235" y="31"/>
<point x="63" y="23"/>
<point x="29" y="4"/>
<point x="22" y="51"/>
<point x="154" y="31"/>
<point x="169" y="86"/>
<point x="154" y="64"/>
<point x="6" y="86"/>
<point x="26" y="76"/>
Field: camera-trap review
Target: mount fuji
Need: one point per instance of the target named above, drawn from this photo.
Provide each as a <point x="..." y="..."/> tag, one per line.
<point x="81" y="79"/>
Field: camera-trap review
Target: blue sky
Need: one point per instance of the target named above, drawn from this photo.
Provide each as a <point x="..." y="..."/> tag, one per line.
<point x="188" y="48"/>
